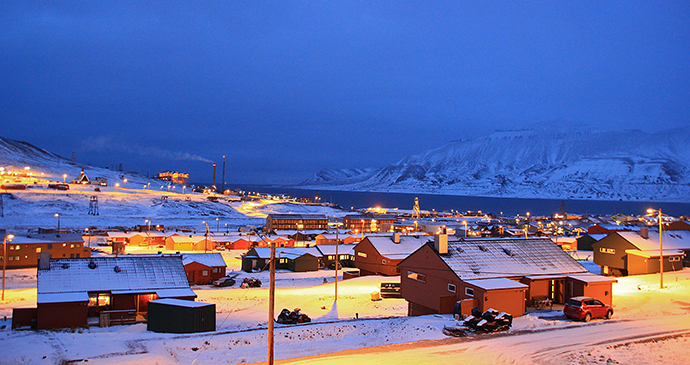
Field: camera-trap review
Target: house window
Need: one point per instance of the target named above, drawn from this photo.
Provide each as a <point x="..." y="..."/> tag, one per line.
<point x="216" y="270"/>
<point x="99" y="299"/>
<point x="469" y="292"/>
<point x="674" y="258"/>
<point x="38" y="249"/>
<point x="71" y="255"/>
<point x="64" y="245"/>
<point x="360" y="253"/>
<point x="11" y="258"/>
<point x="204" y="273"/>
<point x="283" y="261"/>
<point x="416" y="276"/>
<point x="452" y="288"/>
<point x="71" y="245"/>
<point x="607" y="250"/>
<point x="16" y="258"/>
<point x="50" y="246"/>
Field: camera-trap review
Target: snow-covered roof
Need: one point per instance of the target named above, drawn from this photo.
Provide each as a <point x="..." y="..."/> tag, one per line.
<point x="677" y="240"/>
<point x="588" y="277"/>
<point x="408" y="244"/>
<point x="190" y="238"/>
<point x="297" y="216"/>
<point x="123" y="274"/>
<point x="207" y="259"/>
<point x="496" y="283"/>
<point x="286" y="252"/>
<point x="654" y="253"/>
<point x="342" y="249"/>
<point x="62" y="297"/>
<point x="181" y="303"/>
<point x="596" y="236"/>
<point x="506" y="257"/>
<point x="35" y="239"/>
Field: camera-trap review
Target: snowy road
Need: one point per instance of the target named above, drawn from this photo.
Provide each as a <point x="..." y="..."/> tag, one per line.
<point x="571" y="344"/>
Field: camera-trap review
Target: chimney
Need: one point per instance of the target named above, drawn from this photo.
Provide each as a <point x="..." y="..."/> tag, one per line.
<point x="44" y="261"/>
<point x="396" y="237"/>
<point x="644" y="232"/>
<point x="441" y="244"/>
<point x="214" y="176"/>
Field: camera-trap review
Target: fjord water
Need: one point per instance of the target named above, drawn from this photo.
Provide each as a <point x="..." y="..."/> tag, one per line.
<point x="505" y="206"/>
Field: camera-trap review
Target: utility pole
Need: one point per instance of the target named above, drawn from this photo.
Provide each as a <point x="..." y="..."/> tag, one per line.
<point x="337" y="260"/>
<point x="271" y="302"/>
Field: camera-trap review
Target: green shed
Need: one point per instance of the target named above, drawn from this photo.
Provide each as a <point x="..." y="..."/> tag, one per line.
<point x="181" y="316"/>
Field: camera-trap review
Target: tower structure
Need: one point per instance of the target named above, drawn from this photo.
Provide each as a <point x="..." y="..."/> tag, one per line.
<point x="93" y="205"/>
<point x="416" y="212"/>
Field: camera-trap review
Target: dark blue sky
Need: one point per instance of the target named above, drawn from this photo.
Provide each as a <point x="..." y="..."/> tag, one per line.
<point x="286" y="88"/>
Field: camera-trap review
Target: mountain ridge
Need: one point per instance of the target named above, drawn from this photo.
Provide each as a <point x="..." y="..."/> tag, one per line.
<point x="575" y="162"/>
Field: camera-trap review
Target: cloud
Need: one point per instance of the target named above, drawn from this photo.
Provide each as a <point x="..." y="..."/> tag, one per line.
<point x="106" y="144"/>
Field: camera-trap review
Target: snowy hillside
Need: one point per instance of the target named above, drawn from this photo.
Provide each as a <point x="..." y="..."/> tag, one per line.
<point x="543" y="161"/>
<point x="17" y="155"/>
<point x="130" y="204"/>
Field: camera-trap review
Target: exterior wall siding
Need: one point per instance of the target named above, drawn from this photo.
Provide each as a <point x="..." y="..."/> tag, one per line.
<point x="62" y="315"/>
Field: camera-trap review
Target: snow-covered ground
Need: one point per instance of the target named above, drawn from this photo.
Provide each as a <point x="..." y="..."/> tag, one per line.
<point x="36" y="207"/>
<point x="359" y="325"/>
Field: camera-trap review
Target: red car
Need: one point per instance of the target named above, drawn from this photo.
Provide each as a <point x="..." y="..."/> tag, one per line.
<point x="586" y="308"/>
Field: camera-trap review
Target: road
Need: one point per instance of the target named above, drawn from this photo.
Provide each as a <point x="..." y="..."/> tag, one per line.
<point x="540" y="346"/>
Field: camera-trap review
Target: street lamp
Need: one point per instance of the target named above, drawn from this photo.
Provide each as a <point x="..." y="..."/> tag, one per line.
<point x="4" y="262"/>
<point x="226" y="228"/>
<point x="661" y="248"/>
<point x="86" y="230"/>
<point x="64" y="177"/>
<point x="58" y="228"/>
<point x="217" y="224"/>
<point x="149" y="236"/>
<point x="124" y="182"/>
<point x="183" y="187"/>
<point x="465" y="223"/>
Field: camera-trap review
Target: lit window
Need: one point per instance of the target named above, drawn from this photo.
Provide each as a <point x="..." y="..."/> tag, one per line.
<point x="38" y="249"/>
<point x="99" y="299"/>
<point x="416" y="276"/>
<point x="469" y="292"/>
<point x="11" y="258"/>
<point x="363" y="254"/>
<point x="71" y="245"/>
<point x="64" y="245"/>
<point x="607" y="250"/>
<point x="452" y="288"/>
<point x="16" y="258"/>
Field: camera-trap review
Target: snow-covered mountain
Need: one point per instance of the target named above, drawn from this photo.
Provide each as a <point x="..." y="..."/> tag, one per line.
<point x="545" y="160"/>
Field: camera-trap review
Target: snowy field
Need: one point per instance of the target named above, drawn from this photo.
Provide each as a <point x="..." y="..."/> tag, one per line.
<point x="36" y="207"/>
<point x="359" y="327"/>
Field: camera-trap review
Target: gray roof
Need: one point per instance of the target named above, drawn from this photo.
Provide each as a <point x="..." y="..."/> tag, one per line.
<point x="133" y="274"/>
<point x="505" y="257"/>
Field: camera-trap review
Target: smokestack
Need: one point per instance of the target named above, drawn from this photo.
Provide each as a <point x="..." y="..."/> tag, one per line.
<point x="644" y="232"/>
<point x="396" y="237"/>
<point x="214" y="176"/>
<point x="222" y="183"/>
<point x="441" y="244"/>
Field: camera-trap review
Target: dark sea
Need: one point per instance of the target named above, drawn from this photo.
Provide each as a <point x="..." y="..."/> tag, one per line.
<point x="505" y="206"/>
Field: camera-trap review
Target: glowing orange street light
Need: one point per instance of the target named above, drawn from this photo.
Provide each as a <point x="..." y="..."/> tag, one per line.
<point x="661" y="247"/>
<point x="4" y="261"/>
<point x="64" y="177"/>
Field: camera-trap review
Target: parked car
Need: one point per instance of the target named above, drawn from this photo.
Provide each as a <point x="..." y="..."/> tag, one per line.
<point x="586" y="308"/>
<point x="225" y="281"/>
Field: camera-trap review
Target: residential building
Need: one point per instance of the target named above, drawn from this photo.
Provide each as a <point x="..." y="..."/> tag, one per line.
<point x="24" y="251"/>
<point x="638" y="253"/>
<point x="275" y="222"/>
<point x="505" y="274"/>
<point x="203" y="268"/>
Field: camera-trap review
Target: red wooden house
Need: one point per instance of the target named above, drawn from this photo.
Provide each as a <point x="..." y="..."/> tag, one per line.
<point x="203" y="268"/>
<point x="504" y="274"/>
<point x="75" y="292"/>
<point x="380" y="255"/>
